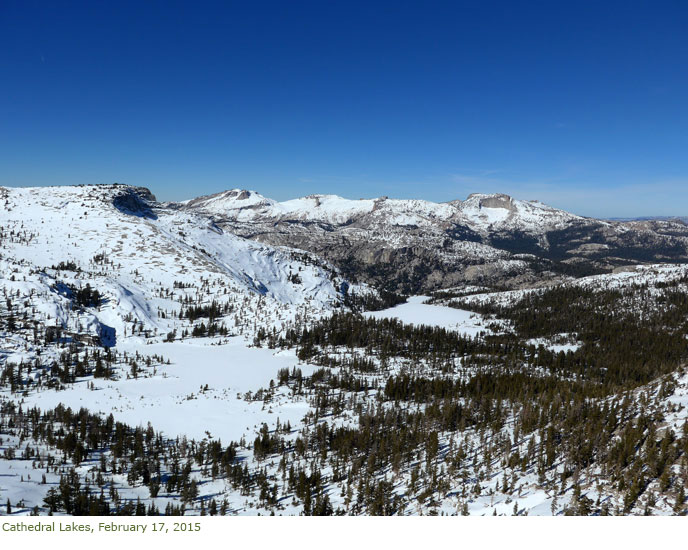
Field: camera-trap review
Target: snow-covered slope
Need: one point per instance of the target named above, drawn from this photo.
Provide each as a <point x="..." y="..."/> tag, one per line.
<point x="147" y="260"/>
<point x="117" y="303"/>
<point x="498" y="211"/>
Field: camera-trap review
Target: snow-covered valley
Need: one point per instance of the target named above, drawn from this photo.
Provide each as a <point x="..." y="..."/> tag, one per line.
<point x="152" y="360"/>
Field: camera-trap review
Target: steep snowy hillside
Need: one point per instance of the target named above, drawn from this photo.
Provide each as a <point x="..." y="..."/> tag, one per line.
<point x="147" y="260"/>
<point x="114" y="302"/>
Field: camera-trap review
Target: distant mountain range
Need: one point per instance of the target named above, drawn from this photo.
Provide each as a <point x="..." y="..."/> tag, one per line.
<point x="402" y="246"/>
<point x="650" y="218"/>
<point x="413" y="246"/>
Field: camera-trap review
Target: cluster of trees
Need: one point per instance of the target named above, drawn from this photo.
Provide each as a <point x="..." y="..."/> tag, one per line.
<point x="145" y="456"/>
<point x="85" y="296"/>
<point x="76" y="362"/>
<point x="69" y="265"/>
<point x="369" y="301"/>
<point x="574" y="412"/>
<point x="201" y="329"/>
<point x="629" y="337"/>
<point x="382" y="337"/>
<point x="210" y="311"/>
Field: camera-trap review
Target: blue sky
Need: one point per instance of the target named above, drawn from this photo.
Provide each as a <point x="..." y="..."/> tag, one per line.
<point x="583" y="105"/>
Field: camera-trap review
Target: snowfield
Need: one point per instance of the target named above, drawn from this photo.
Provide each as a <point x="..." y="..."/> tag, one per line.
<point x="176" y="401"/>
<point x="416" y="312"/>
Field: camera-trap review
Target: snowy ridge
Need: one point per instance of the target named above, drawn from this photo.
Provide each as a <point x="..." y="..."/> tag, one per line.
<point x="498" y="211"/>
<point x="633" y="276"/>
<point x="479" y="211"/>
<point x="417" y="246"/>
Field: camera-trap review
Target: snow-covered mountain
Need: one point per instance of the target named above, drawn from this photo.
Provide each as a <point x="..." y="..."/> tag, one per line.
<point x="146" y="260"/>
<point x="479" y="212"/>
<point x="415" y="245"/>
<point x="121" y="315"/>
<point x="501" y="212"/>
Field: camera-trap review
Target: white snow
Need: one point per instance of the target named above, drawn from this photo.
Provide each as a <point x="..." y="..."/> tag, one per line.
<point x="416" y="312"/>
<point x="176" y="257"/>
<point x="173" y="400"/>
<point x="246" y="206"/>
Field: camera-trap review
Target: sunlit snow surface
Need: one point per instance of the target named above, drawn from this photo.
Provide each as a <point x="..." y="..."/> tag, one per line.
<point x="415" y="312"/>
<point x="242" y="205"/>
<point x="173" y="400"/>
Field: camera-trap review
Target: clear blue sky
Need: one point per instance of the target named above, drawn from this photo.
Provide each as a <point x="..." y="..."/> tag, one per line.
<point x="583" y="105"/>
